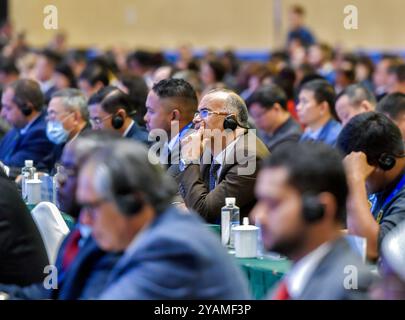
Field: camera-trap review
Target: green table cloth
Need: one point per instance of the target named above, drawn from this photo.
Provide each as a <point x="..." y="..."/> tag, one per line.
<point x="262" y="273"/>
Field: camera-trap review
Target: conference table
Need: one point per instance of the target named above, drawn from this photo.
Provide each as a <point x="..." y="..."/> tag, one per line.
<point x="262" y="273"/>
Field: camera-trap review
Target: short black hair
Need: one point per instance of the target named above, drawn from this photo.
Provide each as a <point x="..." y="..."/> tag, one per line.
<point x="177" y="88"/>
<point x="94" y="73"/>
<point x="317" y="169"/>
<point x="267" y="96"/>
<point x="393" y="105"/>
<point x="372" y="133"/>
<point x="323" y="91"/>
<point x="218" y="69"/>
<point x="52" y="56"/>
<point x="66" y="70"/>
<point x="28" y="91"/>
<point x="99" y="96"/>
<point x="8" y="66"/>
<point x="115" y="100"/>
<point x="399" y="71"/>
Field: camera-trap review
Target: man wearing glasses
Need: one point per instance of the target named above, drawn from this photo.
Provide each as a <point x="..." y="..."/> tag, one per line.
<point x="112" y="110"/>
<point x="66" y="118"/>
<point x="220" y="159"/>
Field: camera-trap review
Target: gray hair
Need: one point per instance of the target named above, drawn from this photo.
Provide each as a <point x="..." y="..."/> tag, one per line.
<point x="73" y="100"/>
<point x="358" y="93"/>
<point x="123" y="168"/>
<point x="234" y="104"/>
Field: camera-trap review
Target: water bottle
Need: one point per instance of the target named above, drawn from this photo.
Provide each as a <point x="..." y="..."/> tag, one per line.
<point x="27" y="173"/>
<point x="55" y="186"/>
<point x="232" y="211"/>
<point x="260" y="246"/>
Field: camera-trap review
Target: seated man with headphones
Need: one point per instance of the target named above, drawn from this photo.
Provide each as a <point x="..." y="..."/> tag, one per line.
<point x="22" y="104"/>
<point x="166" y="254"/>
<point x="221" y="159"/>
<point x="375" y="163"/>
<point x="111" y="109"/>
<point x="301" y="208"/>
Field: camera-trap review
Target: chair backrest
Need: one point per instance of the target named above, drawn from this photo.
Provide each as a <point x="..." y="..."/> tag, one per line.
<point x="52" y="227"/>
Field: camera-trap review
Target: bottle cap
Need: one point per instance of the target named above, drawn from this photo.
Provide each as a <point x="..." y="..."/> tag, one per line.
<point x="246" y="226"/>
<point x="230" y="201"/>
<point x="29" y="163"/>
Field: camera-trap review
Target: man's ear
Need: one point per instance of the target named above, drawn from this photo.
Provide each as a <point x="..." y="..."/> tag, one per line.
<point x="122" y="112"/>
<point x="366" y="106"/>
<point x="325" y="108"/>
<point x="176" y="115"/>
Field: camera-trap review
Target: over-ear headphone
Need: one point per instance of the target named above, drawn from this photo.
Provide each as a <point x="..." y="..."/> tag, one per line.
<point x="386" y="161"/>
<point x="23" y="106"/>
<point x="129" y="203"/>
<point x="312" y="209"/>
<point x="230" y="122"/>
<point x="117" y="121"/>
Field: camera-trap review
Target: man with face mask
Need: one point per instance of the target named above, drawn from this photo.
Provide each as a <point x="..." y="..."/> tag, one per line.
<point x="66" y="119"/>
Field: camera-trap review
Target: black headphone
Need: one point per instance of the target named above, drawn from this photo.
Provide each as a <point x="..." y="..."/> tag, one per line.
<point x="312" y="209"/>
<point x="23" y="106"/>
<point x="117" y="121"/>
<point x="230" y="122"/>
<point x="129" y="203"/>
<point x="386" y="161"/>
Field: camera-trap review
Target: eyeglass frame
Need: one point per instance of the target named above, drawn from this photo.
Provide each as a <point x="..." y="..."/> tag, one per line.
<point x="208" y="112"/>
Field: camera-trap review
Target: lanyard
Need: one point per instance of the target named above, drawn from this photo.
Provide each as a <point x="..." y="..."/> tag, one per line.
<point x="373" y="199"/>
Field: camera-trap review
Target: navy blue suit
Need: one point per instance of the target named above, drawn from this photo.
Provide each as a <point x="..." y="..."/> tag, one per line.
<point x="34" y="145"/>
<point x="138" y="133"/>
<point x="176" y="257"/>
<point x="84" y="278"/>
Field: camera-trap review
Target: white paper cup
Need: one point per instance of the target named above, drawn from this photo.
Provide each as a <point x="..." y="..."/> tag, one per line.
<point x="246" y="241"/>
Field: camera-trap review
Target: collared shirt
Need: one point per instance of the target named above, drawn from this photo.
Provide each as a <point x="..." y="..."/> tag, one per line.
<point x="129" y="128"/>
<point x="310" y="134"/>
<point x="46" y="85"/>
<point x="221" y="157"/>
<point x="289" y="131"/>
<point x="300" y="273"/>
<point x="25" y="129"/>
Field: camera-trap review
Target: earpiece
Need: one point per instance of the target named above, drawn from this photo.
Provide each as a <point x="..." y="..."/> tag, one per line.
<point x="386" y="161"/>
<point x="312" y="210"/>
<point x="117" y="121"/>
<point x="129" y="204"/>
<point x="230" y="122"/>
<point x="24" y="107"/>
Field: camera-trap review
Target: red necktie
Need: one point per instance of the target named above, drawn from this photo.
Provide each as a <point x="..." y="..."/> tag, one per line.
<point x="282" y="292"/>
<point x="71" y="249"/>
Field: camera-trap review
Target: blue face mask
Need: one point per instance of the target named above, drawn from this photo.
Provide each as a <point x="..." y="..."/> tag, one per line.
<point x="56" y="133"/>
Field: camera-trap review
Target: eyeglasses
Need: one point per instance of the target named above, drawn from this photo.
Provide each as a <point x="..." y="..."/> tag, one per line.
<point x="53" y="115"/>
<point x="95" y="122"/>
<point x="203" y="114"/>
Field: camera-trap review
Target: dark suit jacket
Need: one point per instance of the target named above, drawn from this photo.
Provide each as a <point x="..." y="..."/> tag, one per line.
<point x="194" y="183"/>
<point x="22" y="251"/>
<point x="85" y="277"/>
<point x="33" y="145"/>
<point x="327" y="281"/>
<point x="176" y="257"/>
<point x="138" y="133"/>
<point x="48" y="163"/>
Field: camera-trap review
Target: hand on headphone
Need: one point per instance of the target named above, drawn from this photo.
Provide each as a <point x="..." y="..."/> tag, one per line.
<point x="357" y="167"/>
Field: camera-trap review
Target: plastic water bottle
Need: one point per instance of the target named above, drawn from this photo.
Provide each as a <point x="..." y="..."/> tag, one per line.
<point x="260" y="246"/>
<point x="55" y="186"/>
<point x="232" y="211"/>
<point x="27" y="173"/>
